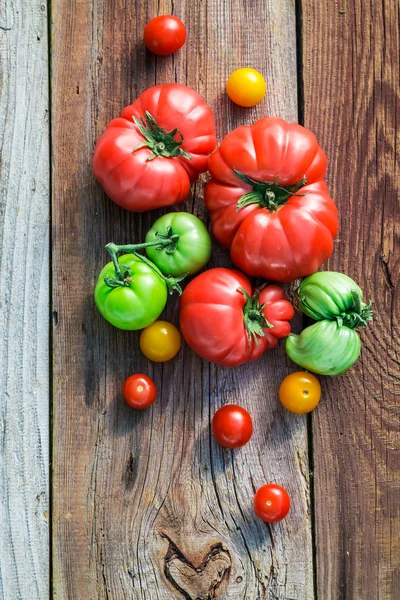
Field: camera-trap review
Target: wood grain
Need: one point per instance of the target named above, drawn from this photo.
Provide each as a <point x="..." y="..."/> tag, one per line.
<point x="352" y="102"/>
<point x="24" y="301"/>
<point x="142" y="501"/>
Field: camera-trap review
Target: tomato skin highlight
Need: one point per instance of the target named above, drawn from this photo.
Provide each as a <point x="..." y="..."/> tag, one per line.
<point x="212" y="317"/>
<point x="164" y="35"/>
<point x="232" y="426"/>
<point x="271" y="503"/>
<point x="300" y="392"/>
<point x="273" y="230"/>
<point x="246" y="87"/>
<point x="139" y="180"/>
<point x="160" y="342"/>
<point x="139" y="391"/>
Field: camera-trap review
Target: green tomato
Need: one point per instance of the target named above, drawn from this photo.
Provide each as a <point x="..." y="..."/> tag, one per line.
<point x="136" y="304"/>
<point x="328" y="295"/>
<point x="326" y="348"/>
<point x="191" y="250"/>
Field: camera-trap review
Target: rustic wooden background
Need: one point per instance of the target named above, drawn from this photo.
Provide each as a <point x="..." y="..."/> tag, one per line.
<point x="147" y="506"/>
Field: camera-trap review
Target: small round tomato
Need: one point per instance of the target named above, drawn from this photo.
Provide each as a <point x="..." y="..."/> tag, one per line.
<point x="164" y="35"/>
<point x="246" y="87"/>
<point x="232" y="426"/>
<point x="300" y="392"/>
<point x="271" y="503"/>
<point x="139" y="391"/>
<point x="160" y="341"/>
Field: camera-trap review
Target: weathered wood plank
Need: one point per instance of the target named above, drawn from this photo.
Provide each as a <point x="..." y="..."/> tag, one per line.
<point x="130" y="490"/>
<point x="352" y="102"/>
<point x="24" y="300"/>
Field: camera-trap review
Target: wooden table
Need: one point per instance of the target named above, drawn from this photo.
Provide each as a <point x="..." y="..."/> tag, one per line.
<point x="97" y="501"/>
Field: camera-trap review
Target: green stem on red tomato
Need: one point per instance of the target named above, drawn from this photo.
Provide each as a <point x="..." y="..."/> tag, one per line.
<point x="123" y="273"/>
<point x="159" y="141"/>
<point x="253" y="317"/>
<point x="267" y="194"/>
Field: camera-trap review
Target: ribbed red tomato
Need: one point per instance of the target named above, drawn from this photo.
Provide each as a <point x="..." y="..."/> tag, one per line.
<point x="226" y="322"/>
<point x="268" y="200"/>
<point x="148" y="157"/>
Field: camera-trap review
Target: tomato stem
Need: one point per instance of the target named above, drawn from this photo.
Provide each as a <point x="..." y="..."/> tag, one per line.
<point x="359" y="316"/>
<point x="267" y="194"/>
<point x="166" y="241"/>
<point x="123" y="275"/>
<point x="253" y="317"/>
<point x="159" y="141"/>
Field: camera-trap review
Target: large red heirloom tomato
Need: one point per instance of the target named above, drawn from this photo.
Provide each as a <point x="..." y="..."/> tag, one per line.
<point x="268" y="200"/>
<point x="149" y="156"/>
<point x="226" y="322"/>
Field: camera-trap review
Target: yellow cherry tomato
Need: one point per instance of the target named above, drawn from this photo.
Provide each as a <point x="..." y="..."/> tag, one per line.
<point x="160" y="341"/>
<point x="246" y="87"/>
<point x="300" y="392"/>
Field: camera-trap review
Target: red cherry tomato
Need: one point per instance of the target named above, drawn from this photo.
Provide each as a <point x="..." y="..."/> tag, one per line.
<point x="232" y="426"/>
<point x="271" y="503"/>
<point x="164" y="35"/>
<point x="139" y="391"/>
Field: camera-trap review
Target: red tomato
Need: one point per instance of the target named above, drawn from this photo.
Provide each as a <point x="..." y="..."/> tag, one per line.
<point x="268" y="200"/>
<point x="148" y="157"/>
<point x="139" y="391"/>
<point x="164" y="34"/>
<point x="225" y="321"/>
<point x="232" y="426"/>
<point x="271" y="503"/>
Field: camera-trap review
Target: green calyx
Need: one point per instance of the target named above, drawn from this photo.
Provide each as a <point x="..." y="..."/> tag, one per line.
<point x="122" y="279"/>
<point x="123" y="275"/>
<point x="253" y="317"/>
<point x="168" y="241"/>
<point x="358" y="316"/>
<point x="159" y="141"/>
<point x="267" y="194"/>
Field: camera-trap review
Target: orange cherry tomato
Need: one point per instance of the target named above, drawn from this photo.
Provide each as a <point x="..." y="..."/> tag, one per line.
<point x="160" y="341"/>
<point x="139" y="391"/>
<point x="246" y="87"/>
<point x="300" y="392"/>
